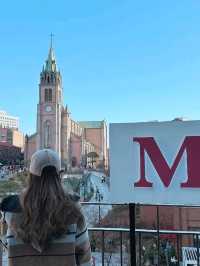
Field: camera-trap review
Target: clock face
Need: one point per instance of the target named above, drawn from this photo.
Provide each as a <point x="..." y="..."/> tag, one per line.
<point x="48" y="108"/>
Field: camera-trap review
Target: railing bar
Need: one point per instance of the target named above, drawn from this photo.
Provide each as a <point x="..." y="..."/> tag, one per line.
<point x="181" y="241"/>
<point x="121" y="251"/>
<point x="178" y="248"/>
<point x="197" y="239"/>
<point x="150" y="231"/>
<point x="158" y="233"/>
<point x="132" y="234"/>
<point x="103" y="247"/>
<point x="168" y="231"/>
<point x="140" y="249"/>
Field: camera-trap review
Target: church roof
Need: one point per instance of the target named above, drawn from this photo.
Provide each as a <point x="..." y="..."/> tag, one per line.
<point x="50" y="62"/>
<point x="91" y="124"/>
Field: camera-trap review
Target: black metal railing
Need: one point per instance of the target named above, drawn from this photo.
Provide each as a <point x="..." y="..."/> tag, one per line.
<point x="136" y="237"/>
<point x="139" y="236"/>
<point x="120" y="232"/>
<point x="134" y="240"/>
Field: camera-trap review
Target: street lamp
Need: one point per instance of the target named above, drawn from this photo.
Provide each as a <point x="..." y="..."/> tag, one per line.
<point x="98" y="198"/>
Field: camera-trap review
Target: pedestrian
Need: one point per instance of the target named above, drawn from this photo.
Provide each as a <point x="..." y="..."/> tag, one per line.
<point x="46" y="226"/>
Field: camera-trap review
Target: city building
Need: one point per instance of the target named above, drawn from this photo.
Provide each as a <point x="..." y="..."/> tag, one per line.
<point x="9" y="130"/>
<point x="12" y="136"/>
<point x="8" y="121"/>
<point x="75" y="142"/>
<point x="96" y="132"/>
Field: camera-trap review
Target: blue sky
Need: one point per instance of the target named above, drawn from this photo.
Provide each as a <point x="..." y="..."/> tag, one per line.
<point x="124" y="61"/>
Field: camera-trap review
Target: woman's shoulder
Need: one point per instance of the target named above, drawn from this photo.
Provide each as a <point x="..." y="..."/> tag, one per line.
<point x="11" y="204"/>
<point x="73" y="197"/>
<point x="73" y="206"/>
<point x="73" y="200"/>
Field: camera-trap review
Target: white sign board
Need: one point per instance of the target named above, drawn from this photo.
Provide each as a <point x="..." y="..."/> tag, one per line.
<point x="155" y="163"/>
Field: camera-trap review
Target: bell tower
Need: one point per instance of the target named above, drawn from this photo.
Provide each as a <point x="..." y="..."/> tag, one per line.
<point x="50" y="105"/>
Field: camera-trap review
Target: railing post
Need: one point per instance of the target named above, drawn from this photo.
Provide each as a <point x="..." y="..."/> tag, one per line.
<point x="103" y="247"/>
<point x="140" y="249"/>
<point x="121" y="250"/>
<point x="158" y="233"/>
<point x="132" y="220"/>
<point x="178" y="248"/>
<point x="197" y="240"/>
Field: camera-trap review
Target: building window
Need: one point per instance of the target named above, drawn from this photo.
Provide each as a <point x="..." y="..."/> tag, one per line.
<point x="59" y="93"/>
<point x="48" y="95"/>
<point x="47" y="134"/>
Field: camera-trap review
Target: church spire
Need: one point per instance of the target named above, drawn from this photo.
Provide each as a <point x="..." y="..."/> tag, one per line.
<point x="50" y="73"/>
<point x="51" y="60"/>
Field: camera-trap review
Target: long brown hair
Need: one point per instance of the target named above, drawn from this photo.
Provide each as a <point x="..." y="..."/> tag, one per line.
<point x="47" y="209"/>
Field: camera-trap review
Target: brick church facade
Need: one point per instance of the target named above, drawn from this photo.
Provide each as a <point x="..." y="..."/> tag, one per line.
<point x="75" y="142"/>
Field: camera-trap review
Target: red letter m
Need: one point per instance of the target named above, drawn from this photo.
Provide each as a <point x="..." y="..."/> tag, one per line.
<point x="192" y="147"/>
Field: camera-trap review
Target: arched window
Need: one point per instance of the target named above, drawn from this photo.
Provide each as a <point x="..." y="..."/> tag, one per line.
<point x="48" y="95"/>
<point x="52" y="78"/>
<point x="47" y="134"/>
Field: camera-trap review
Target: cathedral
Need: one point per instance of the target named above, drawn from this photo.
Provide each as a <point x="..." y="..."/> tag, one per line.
<point x="79" y="144"/>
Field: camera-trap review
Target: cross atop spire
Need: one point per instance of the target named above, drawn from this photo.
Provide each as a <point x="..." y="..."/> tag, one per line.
<point x="51" y="43"/>
<point x="51" y="60"/>
<point x="51" y="56"/>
